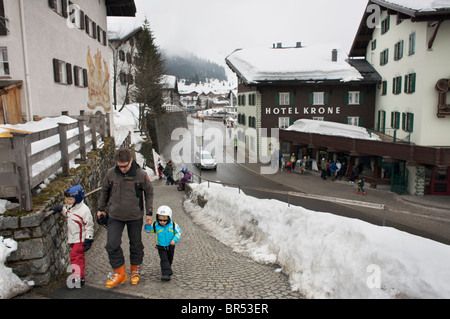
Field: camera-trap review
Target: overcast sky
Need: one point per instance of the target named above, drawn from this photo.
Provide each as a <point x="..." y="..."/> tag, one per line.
<point x="215" y="28"/>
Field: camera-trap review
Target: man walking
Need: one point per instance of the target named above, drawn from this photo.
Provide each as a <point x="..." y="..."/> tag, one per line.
<point x="124" y="190"/>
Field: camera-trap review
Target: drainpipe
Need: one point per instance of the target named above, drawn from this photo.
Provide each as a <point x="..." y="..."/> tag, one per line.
<point x="29" y="104"/>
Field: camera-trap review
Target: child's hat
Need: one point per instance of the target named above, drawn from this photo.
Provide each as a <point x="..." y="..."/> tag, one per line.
<point x="164" y="211"/>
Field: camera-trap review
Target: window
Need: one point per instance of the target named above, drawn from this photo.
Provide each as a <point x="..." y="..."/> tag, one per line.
<point x="59" y="6"/>
<point x="318" y="98"/>
<point x="384" y="57"/>
<point x="4" y="64"/>
<point x="412" y="44"/>
<point x="381" y="126"/>
<point x="283" y="122"/>
<point x="395" y="120"/>
<point x="90" y="27"/>
<point x="384" y="88"/>
<point x="284" y="98"/>
<point x="354" y="98"/>
<point x="3" y="20"/>
<point x="397" y="85"/>
<point x="353" y="120"/>
<point x="407" y="122"/>
<point x="385" y="25"/>
<point x="410" y="83"/>
<point x="62" y="72"/>
<point x="374" y="44"/>
<point x="398" y="50"/>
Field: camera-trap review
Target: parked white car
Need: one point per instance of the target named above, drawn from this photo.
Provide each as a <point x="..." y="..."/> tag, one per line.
<point x="206" y="161"/>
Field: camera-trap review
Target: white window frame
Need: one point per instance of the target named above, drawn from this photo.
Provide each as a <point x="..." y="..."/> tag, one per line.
<point x="353" y="120"/>
<point x="354" y="98"/>
<point x="318" y="98"/>
<point x="283" y="122"/>
<point x="284" y="98"/>
<point x="4" y="62"/>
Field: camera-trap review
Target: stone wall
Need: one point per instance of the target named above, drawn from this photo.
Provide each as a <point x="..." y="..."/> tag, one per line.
<point x="43" y="251"/>
<point x="165" y="124"/>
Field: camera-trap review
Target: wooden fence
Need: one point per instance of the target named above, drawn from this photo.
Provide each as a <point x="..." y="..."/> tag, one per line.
<point x="17" y="179"/>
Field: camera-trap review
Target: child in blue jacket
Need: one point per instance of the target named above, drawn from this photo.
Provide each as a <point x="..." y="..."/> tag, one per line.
<point x="167" y="235"/>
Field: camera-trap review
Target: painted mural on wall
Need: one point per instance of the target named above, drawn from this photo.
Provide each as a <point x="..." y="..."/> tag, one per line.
<point x="98" y="81"/>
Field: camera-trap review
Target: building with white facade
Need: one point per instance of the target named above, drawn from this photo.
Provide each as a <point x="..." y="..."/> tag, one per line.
<point x="57" y="51"/>
<point x="407" y="42"/>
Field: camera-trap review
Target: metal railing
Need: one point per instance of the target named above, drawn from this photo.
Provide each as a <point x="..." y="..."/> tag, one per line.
<point x="290" y="194"/>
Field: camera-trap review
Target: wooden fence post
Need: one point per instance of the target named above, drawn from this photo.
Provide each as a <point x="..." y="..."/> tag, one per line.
<point x="93" y="125"/>
<point x="22" y="152"/>
<point x="82" y="138"/>
<point x="64" y="148"/>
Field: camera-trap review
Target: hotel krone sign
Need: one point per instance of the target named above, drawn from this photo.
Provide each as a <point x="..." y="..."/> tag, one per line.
<point x="308" y="110"/>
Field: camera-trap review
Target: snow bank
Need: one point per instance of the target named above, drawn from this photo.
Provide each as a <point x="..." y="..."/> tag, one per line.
<point x="10" y="284"/>
<point x="324" y="255"/>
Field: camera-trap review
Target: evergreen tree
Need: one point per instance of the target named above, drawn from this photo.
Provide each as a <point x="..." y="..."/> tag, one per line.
<point x="149" y="65"/>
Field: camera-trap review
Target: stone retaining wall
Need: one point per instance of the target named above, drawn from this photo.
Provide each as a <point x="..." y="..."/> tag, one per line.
<point x="43" y="251"/>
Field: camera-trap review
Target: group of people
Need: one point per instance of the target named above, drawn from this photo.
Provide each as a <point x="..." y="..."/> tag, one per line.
<point x="290" y="163"/>
<point x="127" y="195"/>
<point x="336" y="170"/>
<point x="168" y="173"/>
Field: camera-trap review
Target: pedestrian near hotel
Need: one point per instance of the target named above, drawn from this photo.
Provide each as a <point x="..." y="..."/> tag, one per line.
<point x="168" y="234"/>
<point x="125" y="189"/>
<point x="360" y="183"/>
<point x="323" y="166"/>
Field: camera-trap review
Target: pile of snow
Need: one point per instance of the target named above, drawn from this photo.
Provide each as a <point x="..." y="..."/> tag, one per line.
<point x="309" y="63"/>
<point x="10" y="284"/>
<point x="332" y="128"/>
<point x="324" y="255"/>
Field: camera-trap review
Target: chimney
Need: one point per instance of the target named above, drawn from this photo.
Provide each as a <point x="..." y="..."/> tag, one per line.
<point x="334" y="55"/>
<point x="299" y="45"/>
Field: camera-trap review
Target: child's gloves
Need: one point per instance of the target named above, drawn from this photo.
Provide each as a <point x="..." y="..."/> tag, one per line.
<point x="56" y="209"/>
<point x="87" y="244"/>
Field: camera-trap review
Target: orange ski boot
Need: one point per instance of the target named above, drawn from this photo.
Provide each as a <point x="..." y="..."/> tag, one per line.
<point x="135" y="274"/>
<point x="118" y="277"/>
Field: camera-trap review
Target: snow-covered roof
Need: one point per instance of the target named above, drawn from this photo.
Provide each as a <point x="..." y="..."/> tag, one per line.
<point x="169" y="82"/>
<point x="310" y="63"/>
<point x="332" y="128"/>
<point x="420" y="5"/>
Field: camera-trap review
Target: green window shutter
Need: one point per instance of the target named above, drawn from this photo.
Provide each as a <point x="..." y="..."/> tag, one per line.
<point x="291" y="121"/>
<point x="346" y="98"/>
<point x="277" y="99"/>
<point x="291" y="99"/>
<point x="399" y="85"/>
<point x="311" y="98"/>
<point x="325" y="98"/>
<point x="406" y="83"/>
<point x="397" y="123"/>
<point x="394" y="85"/>
<point x="361" y="121"/>
<point x="379" y="121"/>
<point x="346" y="120"/>
<point x="401" y="50"/>
<point x="403" y="121"/>
<point x="392" y="119"/>
<point x="413" y="85"/>
<point x="411" y="122"/>
<point x="361" y="97"/>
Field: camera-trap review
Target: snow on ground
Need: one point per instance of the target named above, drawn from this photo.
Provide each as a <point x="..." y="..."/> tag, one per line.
<point x="324" y="255"/>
